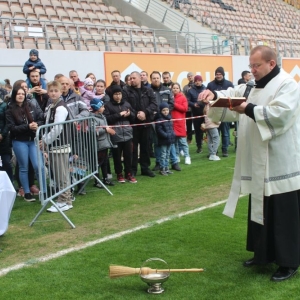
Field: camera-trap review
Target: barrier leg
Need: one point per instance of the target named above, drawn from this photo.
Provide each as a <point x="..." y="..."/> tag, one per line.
<point x="44" y="207"/>
<point x="103" y="185"/>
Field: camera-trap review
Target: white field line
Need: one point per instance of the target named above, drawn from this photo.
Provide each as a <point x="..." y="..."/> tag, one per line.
<point x="104" y="239"/>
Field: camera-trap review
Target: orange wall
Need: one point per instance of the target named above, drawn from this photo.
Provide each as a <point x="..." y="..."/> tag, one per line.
<point x="291" y="66"/>
<point x="177" y="64"/>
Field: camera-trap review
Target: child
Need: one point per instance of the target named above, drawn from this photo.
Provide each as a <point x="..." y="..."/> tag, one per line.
<point x="165" y="136"/>
<point x="103" y="140"/>
<point x="56" y="138"/>
<point x="87" y="92"/>
<point x="120" y="112"/>
<point x="213" y="137"/>
<point x="34" y="62"/>
<point x="178" y="112"/>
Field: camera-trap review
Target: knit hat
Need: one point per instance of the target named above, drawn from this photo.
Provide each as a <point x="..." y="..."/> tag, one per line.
<point x="116" y="89"/>
<point x="34" y="52"/>
<point x="220" y="70"/>
<point x="96" y="104"/>
<point x="88" y="81"/>
<point x="198" y="78"/>
<point x="163" y="105"/>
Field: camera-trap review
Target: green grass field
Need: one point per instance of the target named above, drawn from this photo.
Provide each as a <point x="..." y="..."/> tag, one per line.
<point x="205" y="239"/>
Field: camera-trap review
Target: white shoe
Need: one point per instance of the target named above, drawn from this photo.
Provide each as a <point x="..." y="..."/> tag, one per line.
<point x="178" y="159"/>
<point x="214" y="157"/>
<point x="61" y="206"/>
<point x="181" y="153"/>
<point x="187" y="160"/>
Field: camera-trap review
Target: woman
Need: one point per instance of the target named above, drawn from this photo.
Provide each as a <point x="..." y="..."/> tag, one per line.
<point x="179" y="111"/>
<point x="23" y="119"/>
<point x="34" y="190"/>
<point x="100" y="90"/>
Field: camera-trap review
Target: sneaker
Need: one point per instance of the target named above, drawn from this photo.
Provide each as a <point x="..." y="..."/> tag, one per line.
<point x="98" y="185"/>
<point x="120" y="178"/>
<point x="130" y="178"/>
<point x="29" y="198"/>
<point x="21" y="192"/>
<point x="168" y="171"/>
<point x="199" y="150"/>
<point x="225" y="154"/>
<point x="176" y="167"/>
<point x="181" y="153"/>
<point x="62" y="207"/>
<point x="214" y="157"/>
<point x="162" y="172"/>
<point x="187" y="160"/>
<point x="34" y="190"/>
<point x="148" y="173"/>
<point x="156" y="168"/>
<point x="73" y="198"/>
<point x="107" y="182"/>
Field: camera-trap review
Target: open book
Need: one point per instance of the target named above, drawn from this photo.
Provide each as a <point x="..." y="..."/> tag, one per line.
<point x="228" y="102"/>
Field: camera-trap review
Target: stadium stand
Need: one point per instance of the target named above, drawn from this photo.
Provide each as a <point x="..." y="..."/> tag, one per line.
<point x="94" y="26"/>
<point x="273" y="23"/>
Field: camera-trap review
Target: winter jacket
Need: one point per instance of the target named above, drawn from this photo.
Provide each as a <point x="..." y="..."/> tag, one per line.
<point x="145" y="102"/>
<point x="218" y="85"/>
<point x="42" y="99"/>
<point x="103" y="138"/>
<point x="180" y="108"/>
<point x="105" y="98"/>
<point x="38" y="64"/>
<point x="163" y="93"/>
<point x="88" y="96"/>
<point x="76" y="106"/>
<point x="112" y="114"/>
<point x="4" y="143"/>
<point x="164" y="130"/>
<point x="19" y="127"/>
<point x="192" y="97"/>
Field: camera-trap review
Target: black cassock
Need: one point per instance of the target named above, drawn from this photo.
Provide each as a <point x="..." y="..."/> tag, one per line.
<point x="278" y="240"/>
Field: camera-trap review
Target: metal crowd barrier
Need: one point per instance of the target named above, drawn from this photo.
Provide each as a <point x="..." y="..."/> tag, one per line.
<point x="70" y="159"/>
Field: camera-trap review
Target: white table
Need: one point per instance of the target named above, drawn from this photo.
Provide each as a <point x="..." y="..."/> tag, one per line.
<point x="7" y="199"/>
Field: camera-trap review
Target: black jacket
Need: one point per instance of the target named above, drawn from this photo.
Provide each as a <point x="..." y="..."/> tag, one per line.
<point x="164" y="130"/>
<point x="123" y="87"/>
<point x="144" y="101"/>
<point x="218" y="85"/>
<point x="112" y="114"/>
<point x="163" y="93"/>
<point x="19" y="127"/>
<point x="4" y="143"/>
<point x="192" y="97"/>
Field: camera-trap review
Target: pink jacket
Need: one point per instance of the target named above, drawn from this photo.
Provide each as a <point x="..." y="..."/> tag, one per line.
<point x="88" y="96"/>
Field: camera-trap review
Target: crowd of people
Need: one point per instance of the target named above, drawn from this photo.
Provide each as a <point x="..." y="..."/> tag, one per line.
<point x="134" y="118"/>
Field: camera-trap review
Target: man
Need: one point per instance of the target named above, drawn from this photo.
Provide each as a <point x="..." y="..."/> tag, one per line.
<point x="246" y="76"/>
<point x="144" y="104"/>
<point x="144" y="78"/>
<point x="162" y="94"/>
<point x="167" y="79"/>
<point x="197" y="109"/>
<point x="188" y="114"/>
<point x="218" y="84"/>
<point x="35" y="88"/>
<point x="77" y="109"/>
<point x="74" y="76"/>
<point x="267" y="162"/>
<point x="116" y="80"/>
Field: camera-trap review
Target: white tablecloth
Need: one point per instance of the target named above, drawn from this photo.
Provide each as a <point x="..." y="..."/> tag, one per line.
<point x="7" y="199"/>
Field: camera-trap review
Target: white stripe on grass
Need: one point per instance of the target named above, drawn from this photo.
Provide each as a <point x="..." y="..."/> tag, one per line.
<point x="104" y="239"/>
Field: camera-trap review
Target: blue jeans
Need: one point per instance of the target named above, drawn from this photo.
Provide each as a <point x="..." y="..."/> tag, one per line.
<point x="173" y="156"/>
<point x="225" y="132"/>
<point x="181" y="144"/>
<point x="213" y="140"/>
<point x="25" y="150"/>
<point x="165" y="153"/>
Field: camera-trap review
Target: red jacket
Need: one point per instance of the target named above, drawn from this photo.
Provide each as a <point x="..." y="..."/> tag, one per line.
<point x="178" y="112"/>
